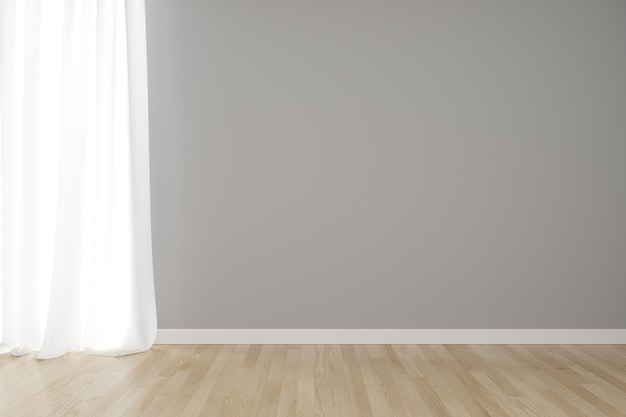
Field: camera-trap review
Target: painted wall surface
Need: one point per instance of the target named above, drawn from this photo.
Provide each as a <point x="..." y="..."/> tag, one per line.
<point x="389" y="163"/>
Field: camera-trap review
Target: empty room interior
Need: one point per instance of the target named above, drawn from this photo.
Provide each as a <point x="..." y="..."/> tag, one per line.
<point x="313" y="208"/>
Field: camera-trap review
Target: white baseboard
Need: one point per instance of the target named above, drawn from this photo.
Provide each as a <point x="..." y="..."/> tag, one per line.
<point x="390" y="336"/>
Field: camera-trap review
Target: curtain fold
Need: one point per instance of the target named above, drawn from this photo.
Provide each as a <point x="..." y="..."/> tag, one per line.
<point x="75" y="256"/>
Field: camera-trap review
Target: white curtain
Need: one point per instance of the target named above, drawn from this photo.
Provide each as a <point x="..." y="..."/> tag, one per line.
<point x="75" y="255"/>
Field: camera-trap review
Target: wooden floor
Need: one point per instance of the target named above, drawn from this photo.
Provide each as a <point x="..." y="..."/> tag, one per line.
<point x="322" y="380"/>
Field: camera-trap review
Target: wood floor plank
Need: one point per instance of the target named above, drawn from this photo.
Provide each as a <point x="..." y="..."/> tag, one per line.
<point x="212" y="374"/>
<point x="270" y="397"/>
<point x="428" y="362"/>
<point x="305" y="395"/>
<point x="322" y="381"/>
<point x="355" y="383"/>
<point x="489" y="400"/>
<point x="375" y="395"/>
<point x="611" y="370"/>
<point x="497" y="400"/>
<point x="289" y="384"/>
<point x="459" y="388"/>
<point x="564" y="379"/>
<point x="229" y="383"/>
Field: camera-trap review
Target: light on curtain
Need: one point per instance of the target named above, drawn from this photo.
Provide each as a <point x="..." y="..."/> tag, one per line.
<point x="75" y="254"/>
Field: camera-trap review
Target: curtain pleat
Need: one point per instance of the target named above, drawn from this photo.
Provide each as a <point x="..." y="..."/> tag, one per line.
<point x="75" y="211"/>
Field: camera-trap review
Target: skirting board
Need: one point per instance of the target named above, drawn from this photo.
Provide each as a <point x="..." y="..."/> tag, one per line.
<point x="390" y="336"/>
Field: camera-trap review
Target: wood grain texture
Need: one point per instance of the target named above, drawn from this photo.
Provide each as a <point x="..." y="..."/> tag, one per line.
<point x="322" y="381"/>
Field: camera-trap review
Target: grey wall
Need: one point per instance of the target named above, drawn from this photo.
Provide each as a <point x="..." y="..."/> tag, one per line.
<point x="388" y="164"/>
